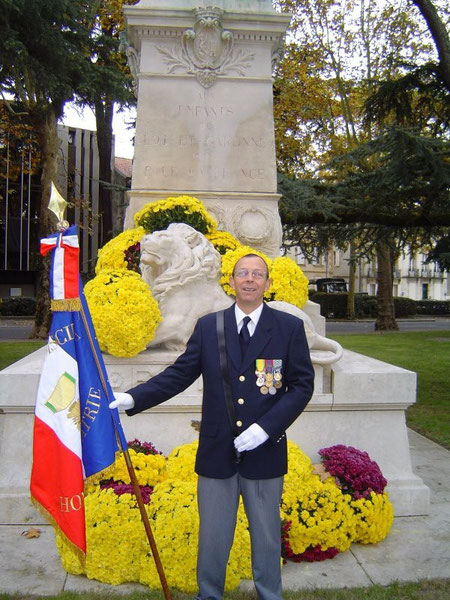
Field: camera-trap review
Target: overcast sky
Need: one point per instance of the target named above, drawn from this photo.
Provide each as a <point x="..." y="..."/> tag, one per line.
<point x="86" y="120"/>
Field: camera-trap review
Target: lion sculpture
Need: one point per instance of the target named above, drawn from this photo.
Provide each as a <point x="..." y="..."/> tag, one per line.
<point x="182" y="269"/>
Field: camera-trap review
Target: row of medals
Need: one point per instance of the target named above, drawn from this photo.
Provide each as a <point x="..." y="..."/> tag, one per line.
<point x="268" y="376"/>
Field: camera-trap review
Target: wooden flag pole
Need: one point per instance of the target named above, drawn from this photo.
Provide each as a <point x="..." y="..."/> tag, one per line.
<point x="133" y="479"/>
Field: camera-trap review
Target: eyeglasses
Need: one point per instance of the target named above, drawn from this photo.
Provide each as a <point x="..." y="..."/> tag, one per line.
<point x="242" y="273"/>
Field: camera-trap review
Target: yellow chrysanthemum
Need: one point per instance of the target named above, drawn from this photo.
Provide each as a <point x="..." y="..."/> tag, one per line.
<point x="320" y="514"/>
<point x="374" y="518"/>
<point x="289" y="283"/>
<point x="112" y="256"/>
<point x="223" y="241"/>
<point x="124" y="312"/>
<point x="118" y="550"/>
<point x="181" y="209"/>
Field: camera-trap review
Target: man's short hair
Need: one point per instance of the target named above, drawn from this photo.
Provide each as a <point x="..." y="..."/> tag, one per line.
<point x="251" y="255"/>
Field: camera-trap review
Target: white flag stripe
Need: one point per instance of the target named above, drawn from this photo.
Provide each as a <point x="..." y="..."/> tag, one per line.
<point x="58" y="390"/>
<point x="71" y="240"/>
<point x="58" y="274"/>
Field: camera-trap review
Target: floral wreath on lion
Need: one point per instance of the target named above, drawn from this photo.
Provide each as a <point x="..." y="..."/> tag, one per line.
<point x="324" y="508"/>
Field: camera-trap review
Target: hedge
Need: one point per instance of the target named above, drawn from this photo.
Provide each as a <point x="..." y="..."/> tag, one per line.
<point x="17" y="306"/>
<point x="433" y="307"/>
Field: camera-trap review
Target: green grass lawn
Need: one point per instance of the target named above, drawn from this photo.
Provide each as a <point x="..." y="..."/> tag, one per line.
<point x="12" y="351"/>
<point x="426" y="353"/>
<point x="423" y="590"/>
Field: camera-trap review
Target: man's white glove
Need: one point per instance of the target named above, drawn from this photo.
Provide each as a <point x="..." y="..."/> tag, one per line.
<point x="122" y="400"/>
<point x="251" y="438"/>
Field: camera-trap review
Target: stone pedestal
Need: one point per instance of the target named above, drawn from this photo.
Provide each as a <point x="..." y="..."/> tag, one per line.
<point x="204" y="115"/>
<point x="358" y="402"/>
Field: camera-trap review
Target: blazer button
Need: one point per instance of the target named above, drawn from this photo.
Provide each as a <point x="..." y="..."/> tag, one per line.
<point x="239" y="423"/>
<point x="242" y="378"/>
<point x="241" y="400"/>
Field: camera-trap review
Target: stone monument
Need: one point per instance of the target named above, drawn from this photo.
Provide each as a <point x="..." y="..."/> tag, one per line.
<point x="205" y="128"/>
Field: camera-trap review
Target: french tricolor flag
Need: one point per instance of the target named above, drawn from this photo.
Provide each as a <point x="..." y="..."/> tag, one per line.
<point x="75" y="433"/>
<point x="64" y="269"/>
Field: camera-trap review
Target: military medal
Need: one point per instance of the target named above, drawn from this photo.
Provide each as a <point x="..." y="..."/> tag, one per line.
<point x="277" y="373"/>
<point x="268" y="375"/>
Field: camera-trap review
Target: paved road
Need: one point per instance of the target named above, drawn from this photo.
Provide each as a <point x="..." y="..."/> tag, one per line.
<point x="431" y="324"/>
<point x="11" y="329"/>
<point x="20" y="330"/>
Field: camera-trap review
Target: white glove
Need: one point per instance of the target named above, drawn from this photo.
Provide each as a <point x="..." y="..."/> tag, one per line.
<point x="251" y="438"/>
<point x="122" y="400"/>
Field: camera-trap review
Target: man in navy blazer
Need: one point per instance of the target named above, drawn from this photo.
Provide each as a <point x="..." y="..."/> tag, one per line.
<point x="272" y="380"/>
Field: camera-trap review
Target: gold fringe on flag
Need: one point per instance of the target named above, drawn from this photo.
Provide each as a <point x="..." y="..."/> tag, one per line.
<point x="42" y="511"/>
<point x="69" y="305"/>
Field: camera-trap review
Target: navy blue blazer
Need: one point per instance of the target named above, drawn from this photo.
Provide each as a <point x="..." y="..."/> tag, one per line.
<point x="278" y="336"/>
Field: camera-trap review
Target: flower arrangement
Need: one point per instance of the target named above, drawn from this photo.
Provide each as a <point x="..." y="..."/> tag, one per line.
<point x="113" y="255"/>
<point x="289" y="283"/>
<point x="320" y="514"/>
<point x="181" y="209"/>
<point x="355" y="472"/>
<point x="124" y="312"/>
<point x="311" y="554"/>
<point x="139" y="321"/>
<point x="374" y="518"/>
<point x="319" y="520"/>
<point x="223" y="241"/>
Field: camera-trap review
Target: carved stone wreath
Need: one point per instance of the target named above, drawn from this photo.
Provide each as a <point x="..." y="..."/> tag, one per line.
<point x="207" y="51"/>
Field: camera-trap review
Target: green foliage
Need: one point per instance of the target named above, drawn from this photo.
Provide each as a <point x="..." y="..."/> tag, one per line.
<point x="334" y="306"/>
<point x="43" y="50"/>
<point x="433" y="307"/>
<point x="395" y="186"/>
<point x="18" y="306"/>
<point x="155" y="221"/>
<point x="441" y="253"/>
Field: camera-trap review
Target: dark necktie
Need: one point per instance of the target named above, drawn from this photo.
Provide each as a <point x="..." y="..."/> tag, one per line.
<point x="244" y="335"/>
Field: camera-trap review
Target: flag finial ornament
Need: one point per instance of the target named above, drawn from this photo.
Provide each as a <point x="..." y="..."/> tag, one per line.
<point x="58" y="205"/>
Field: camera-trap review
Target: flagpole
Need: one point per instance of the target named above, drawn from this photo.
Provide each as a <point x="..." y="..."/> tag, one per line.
<point x="57" y="205"/>
<point x="132" y="474"/>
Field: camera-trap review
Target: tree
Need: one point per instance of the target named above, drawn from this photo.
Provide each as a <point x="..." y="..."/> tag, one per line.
<point x="43" y="64"/>
<point x="439" y="32"/>
<point x="110" y="84"/>
<point x="349" y="47"/>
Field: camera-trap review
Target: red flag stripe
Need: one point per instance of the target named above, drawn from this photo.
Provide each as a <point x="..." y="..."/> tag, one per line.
<point x="57" y="483"/>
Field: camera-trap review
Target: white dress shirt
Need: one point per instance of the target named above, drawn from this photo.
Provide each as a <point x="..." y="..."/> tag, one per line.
<point x="254" y="318"/>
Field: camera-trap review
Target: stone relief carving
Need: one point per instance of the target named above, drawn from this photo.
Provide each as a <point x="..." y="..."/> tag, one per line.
<point x="207" y="51"/>
<point x="132" y="59"/>
<point x="257" y="227"/>
<point x="182" y="269"/>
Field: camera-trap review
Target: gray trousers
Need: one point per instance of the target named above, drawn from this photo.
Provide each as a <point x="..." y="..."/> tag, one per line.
<point x="218" y="501"/>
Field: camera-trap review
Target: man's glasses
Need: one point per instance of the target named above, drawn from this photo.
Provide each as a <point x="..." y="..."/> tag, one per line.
<point x="242" y="273"/>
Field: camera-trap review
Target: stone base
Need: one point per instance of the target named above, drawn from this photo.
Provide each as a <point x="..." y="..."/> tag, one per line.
<point x="358" y="402"/>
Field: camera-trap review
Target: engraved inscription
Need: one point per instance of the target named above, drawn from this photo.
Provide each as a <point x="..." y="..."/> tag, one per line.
<point x="204" y="111"/>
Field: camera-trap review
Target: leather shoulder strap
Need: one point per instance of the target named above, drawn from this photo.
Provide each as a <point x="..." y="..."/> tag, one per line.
<point x="220" y="323"/>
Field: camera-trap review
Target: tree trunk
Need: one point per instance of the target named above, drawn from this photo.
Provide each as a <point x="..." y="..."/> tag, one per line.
<point x="351" y="285"/>
<point x="47" y="134"/>
<point x="440" y="36"/>
<point x="385" y="300"/>
<point x="103" y="115"/>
